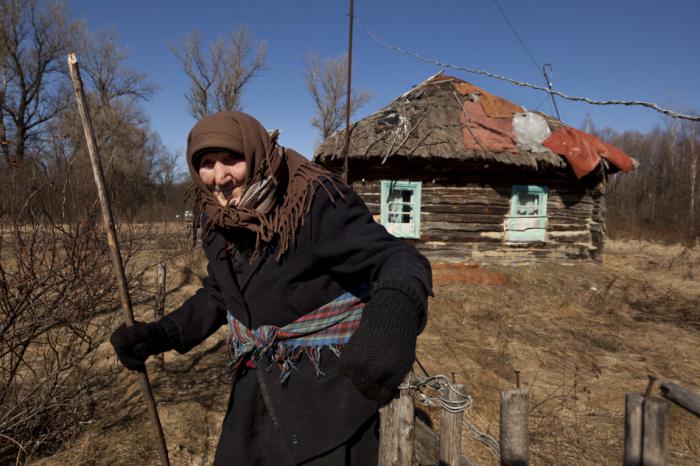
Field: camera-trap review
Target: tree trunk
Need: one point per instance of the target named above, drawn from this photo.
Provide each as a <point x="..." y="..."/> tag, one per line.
<point x="19" y="142"/>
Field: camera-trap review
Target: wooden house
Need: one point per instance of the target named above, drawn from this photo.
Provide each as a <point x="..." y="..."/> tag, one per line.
<point x="469" y="176"/>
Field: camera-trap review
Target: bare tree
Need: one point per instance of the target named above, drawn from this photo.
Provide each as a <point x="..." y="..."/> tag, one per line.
<point x="4" y="143"/>
<point x="57" y="295"/>
<point x="34" y="39"/>
<point x="217" y="79"/>
<point x="658" y="200"/>
<point x="102" y="61"/>
<point x="55" y="281"/>
<point x="125" y="141"/>
<point x="326" y="80"/>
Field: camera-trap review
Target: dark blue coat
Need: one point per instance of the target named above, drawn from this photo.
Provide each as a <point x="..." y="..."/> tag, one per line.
<point x="338" y="247"/>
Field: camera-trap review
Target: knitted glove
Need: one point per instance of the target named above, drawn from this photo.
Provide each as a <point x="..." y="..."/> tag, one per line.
<point x="136" y="343"/>
<point x="382" y="350"/>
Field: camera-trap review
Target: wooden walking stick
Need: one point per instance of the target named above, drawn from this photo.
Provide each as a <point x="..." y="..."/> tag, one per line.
<point x="113" y="244"/>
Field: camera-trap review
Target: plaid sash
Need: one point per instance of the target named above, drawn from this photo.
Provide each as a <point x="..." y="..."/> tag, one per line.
<point x="329" y="326"/>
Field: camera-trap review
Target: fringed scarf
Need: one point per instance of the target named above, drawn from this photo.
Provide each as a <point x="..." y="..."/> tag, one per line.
<point x="279" y="186"/>
<point x="330" y="326"/>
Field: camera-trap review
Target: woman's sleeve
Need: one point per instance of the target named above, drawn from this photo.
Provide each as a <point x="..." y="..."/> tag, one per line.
<point x="348" y="242"/>
<point x="199" y="317"/>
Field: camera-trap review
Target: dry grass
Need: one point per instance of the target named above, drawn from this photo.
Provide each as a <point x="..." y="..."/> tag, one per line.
<point x="191" y="393"/>
<point x="582" y="336"/>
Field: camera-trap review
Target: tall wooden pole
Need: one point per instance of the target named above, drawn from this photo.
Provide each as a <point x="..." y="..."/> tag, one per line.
<point x="348" y="99"/>
<point x="113" y="244"/>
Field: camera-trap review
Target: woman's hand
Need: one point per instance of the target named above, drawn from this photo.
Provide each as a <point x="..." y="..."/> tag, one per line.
<point x="381" y="351"/>
<point x="134" y="344"/>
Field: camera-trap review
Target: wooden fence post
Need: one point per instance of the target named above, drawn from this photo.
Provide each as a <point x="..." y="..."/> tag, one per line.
<point x="161" y="280"/>
<point x="514" y="434"/>
<point x="406" y="423"/>
<point x="654" y="436"/>
<point x="451" y="428"/>
<point x="646" y="423"/>
<point x="683" y="397"/>
<point x="397" y="429"/>
<point x="388" y="437"/>
<point x="632" y="455"/>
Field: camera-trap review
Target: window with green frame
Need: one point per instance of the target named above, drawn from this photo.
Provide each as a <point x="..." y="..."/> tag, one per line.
<point x="400" y="208"/>
<point x="527" y="220"/>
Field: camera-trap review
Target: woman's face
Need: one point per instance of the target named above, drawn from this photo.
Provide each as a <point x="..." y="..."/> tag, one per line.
<point x="224" y="173"/>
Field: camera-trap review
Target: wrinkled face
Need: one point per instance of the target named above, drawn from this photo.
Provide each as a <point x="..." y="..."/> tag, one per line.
<point x="224" y="173"/>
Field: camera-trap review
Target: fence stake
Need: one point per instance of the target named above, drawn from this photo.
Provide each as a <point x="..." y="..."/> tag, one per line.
<point x="514" y="437"/>
<point x="397" y="430"/>
<point x="114" y="244"/>
<point x="683" y="397"/>
<point x="633" y="429"/>
<point x="161" y="280"/>
<point x="405" y="421"/>
<point x="654" y="436"/>
<point x="451" y="428"/>
<point x="388" y="439"/>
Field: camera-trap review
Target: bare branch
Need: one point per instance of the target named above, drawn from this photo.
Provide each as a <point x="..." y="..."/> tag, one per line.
<point x="326" y="82"/>
<point x="103" y="63"/>
<point x="217" y="81"/>
<point x="33" y="42"/>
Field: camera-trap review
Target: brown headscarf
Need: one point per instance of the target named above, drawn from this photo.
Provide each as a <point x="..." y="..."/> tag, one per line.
<point x="279" y="186"/>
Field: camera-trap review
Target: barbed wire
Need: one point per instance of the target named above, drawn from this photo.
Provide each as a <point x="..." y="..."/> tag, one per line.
<point x="587" y="100"/>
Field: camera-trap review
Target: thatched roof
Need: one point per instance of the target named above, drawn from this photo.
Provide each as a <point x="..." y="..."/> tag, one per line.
<point x="428" y="122"/>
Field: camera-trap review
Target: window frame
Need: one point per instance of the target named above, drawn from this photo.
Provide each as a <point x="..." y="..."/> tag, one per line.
<point x="416" y="187"/>
<point x="514" y="233"/>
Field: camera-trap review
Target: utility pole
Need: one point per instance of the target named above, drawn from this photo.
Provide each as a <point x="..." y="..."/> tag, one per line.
<point x="549" y="86"/>
<point x="346" y="146"/>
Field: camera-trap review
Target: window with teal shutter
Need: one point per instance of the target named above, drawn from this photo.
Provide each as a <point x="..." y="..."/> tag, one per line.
<point x="527" y="220"/>
<point x="400" y="208"/>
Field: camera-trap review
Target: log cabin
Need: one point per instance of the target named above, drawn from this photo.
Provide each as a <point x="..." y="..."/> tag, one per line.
<point x="469" y="176"/>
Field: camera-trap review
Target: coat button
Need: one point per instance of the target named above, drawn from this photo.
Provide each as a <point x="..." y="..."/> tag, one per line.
<point x="294" y="439"/>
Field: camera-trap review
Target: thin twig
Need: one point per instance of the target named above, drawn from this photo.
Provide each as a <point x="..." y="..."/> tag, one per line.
<point x="461" y="106"/>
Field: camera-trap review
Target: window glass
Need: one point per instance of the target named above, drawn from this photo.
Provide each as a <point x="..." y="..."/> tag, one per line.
<point x="400" y="204"/>
<point x="528" y="214"/>
<point x="400" y="207"/>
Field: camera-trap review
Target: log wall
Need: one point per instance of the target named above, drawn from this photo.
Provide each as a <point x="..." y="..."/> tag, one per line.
<point x="464" y="217"/>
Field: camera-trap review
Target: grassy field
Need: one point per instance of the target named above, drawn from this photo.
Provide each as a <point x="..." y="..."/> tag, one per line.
<point x="582" y="336"/>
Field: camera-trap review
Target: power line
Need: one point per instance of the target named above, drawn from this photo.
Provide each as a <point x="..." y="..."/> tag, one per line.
<point x="517" y="36"/>
<point x="541" y="102"/>
<point x="547" y="79"/>
<point x="587" y="100"/>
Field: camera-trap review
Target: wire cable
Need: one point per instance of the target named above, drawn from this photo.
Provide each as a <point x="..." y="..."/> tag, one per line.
<point x="489" y="74"/>
<point x="517" y="36"/>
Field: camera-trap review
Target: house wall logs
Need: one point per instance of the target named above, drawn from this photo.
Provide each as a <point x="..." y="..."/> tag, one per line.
<point x="464" y="211"/>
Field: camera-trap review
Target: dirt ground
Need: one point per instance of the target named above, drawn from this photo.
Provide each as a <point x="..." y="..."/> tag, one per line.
<point x="582" y="336"/>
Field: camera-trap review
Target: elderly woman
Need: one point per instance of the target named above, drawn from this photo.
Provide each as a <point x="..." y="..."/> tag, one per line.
<point x="323" y="305"/>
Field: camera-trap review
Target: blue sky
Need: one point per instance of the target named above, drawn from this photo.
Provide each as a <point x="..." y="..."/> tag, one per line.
<point x="642" y="50"/>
